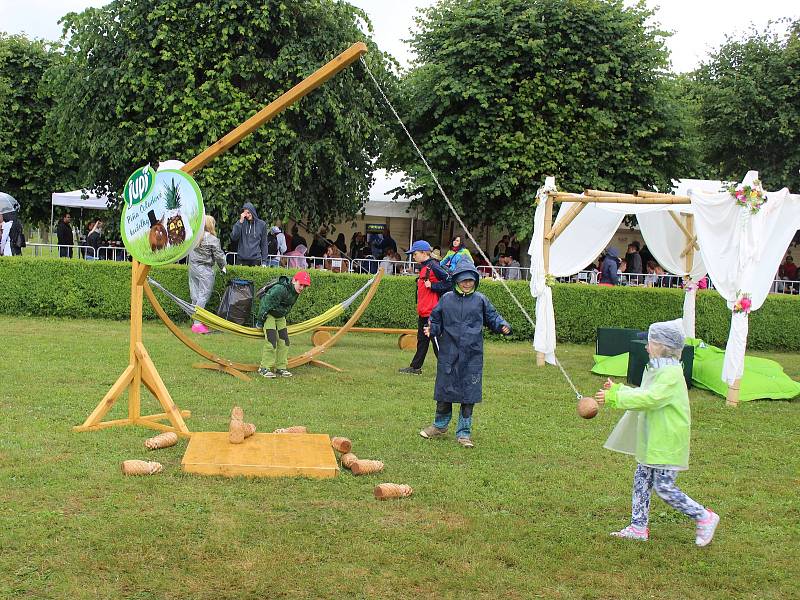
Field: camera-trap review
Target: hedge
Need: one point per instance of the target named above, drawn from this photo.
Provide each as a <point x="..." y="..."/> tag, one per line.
<point x="101" y="289"/>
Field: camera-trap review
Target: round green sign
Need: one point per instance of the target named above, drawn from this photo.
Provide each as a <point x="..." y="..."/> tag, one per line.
<point x="163" y="216"/>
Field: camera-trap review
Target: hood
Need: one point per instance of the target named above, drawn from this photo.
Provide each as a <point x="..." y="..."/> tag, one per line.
<point x="301" y="249"/>
<point x="613" y="253"/>
<point x="275" y="229"/>
<point x="249" y="206"/>
<point x="466" y="270"/>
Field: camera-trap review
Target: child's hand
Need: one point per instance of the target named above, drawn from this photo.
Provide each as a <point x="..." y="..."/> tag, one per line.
<point x="505" y="329"/>
<point x="427" y="330"/>
<point x="427" y="283"/>
<point x="600" y="396"/>
<point x="607" y="385"/>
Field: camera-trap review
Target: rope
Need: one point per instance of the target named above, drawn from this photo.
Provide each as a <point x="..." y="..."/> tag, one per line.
<point x="495" y="274"/>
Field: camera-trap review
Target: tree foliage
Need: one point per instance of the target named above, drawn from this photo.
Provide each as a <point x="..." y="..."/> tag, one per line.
<point x="31" y="166"/>
<point x="748" y="98"/>
<point x="149" y="80"/>
<point x="505" y="92"/>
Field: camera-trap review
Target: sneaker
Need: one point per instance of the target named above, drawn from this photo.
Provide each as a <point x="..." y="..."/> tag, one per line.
<point x="466" y="442"/>
<point x="432" y="431"/>
<point x="411" y="371"/>
<point x="266" y="373"/>
<point x="200" y="328"/>
<point x="632" y="532"/>
<point x="283" y="373"/>
<point x="706" y="528"/>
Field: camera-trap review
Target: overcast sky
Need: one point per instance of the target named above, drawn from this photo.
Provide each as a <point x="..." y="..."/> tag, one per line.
<point x="699" y="25"/>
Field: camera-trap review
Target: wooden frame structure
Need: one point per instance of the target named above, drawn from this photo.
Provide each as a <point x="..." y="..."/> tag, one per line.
<point x="686" y="225"/>
<point x="239" y="370"/>
<point x="406" y="341"/>
<point x="140" y="369"/>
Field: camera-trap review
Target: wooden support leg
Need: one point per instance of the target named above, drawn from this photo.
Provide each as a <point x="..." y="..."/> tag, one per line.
<point x="540" y="359"/>
<point x="319" y="363"/>
<point x="733" y="394"/>
<point x="224" y="369"/>
<point x="154" y="382"/>
<point x="108" y="400"/>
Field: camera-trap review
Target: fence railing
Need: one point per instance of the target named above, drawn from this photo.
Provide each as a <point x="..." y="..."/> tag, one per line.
<point x="391" y="267"/>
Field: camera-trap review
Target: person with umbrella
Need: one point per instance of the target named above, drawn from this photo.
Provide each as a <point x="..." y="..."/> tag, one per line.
<point x="12" y="239"/>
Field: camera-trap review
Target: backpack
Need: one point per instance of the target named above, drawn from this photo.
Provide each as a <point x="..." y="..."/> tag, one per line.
<point x="267" y="286"/>
<point x="272" y="243"/>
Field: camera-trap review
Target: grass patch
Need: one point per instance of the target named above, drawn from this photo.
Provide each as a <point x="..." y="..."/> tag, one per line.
<point x="525" y="514"/>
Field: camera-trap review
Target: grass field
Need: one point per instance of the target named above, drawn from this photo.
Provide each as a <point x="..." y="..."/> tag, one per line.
<point x="525" y="514"/>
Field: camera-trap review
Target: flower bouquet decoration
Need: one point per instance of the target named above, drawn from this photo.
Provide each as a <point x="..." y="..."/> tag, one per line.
<point x="549" y="280"/>
<point x="743" y="303"/>
<point x="751" y="197"/>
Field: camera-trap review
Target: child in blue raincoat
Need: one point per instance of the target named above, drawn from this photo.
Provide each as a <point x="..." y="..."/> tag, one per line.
<point x="457" y="324"/>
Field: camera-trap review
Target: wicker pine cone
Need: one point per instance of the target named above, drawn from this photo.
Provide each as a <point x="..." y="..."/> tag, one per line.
<point x="348" y="459"/>
<point x="384" y="491"/>
<point x="292" y="429"/>
<point x="162" y="440"/>
<point x="341" y="444"/>
<point x="236" y="431"/>
<point x="249" y="429"/>
<point x="237" y="413"/>
<point x="366" y="467"/>
<point x="141" y="467"/>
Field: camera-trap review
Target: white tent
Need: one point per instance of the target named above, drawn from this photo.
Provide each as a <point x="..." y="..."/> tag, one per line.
<point x="75" y="200"/>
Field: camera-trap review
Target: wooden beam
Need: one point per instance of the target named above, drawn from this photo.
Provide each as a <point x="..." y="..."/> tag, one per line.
<point x="310" y="83"/>
<point x="561" y="225"/>
<point x="646" y="194"/>
<point x="692" y="242"/>
<point x="690" y="237"/>
<point x="604" y="194"/>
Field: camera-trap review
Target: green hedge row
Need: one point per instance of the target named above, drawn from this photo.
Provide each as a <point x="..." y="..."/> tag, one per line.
<point x="81" y="289"/>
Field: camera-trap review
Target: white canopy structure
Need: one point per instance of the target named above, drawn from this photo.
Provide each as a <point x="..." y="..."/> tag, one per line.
<point x="75" y="200"/>
<point x="739" y="250"/>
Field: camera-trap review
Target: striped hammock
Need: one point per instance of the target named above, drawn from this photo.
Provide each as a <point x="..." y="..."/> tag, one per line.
<point x="209" y="319"/>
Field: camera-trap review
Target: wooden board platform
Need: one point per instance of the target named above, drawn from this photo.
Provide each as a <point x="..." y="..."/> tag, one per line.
<point x="261" y="455"/>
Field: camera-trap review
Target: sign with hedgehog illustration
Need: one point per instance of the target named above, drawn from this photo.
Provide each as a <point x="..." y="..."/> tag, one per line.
<point x="162" y="219"/>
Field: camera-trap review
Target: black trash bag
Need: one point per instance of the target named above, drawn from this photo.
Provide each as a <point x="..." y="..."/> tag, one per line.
<point x="237" y="302"/>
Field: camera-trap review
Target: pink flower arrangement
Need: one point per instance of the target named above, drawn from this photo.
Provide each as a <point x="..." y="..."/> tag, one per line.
<point x="743" y="303"/>
<point x="750" y="197"/>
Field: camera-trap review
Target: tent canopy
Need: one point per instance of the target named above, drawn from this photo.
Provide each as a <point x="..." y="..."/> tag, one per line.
<point x="75" y="200"/>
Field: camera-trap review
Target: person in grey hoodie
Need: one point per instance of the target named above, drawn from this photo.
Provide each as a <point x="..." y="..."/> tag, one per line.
<point x="250" y="234"/>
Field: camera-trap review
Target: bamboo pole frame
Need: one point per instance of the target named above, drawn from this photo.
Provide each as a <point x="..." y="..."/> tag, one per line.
<point x="140" y="369"/>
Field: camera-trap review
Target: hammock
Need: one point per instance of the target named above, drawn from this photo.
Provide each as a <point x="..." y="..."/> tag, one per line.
<point x="216" y="322"/>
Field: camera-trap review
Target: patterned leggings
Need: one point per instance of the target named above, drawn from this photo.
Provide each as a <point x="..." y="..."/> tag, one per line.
<point x="646" y="479"/>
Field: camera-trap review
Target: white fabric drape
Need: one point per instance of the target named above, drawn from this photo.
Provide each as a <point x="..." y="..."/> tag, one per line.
<point x="689" y="301"/>
<point x="666" y="241"/>
<point x="544" y="337"/>
<point x="743" y="252"/>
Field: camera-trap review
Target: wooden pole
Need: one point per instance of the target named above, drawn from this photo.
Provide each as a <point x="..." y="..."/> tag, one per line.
<point x="546" y="242"/>
<point x="604" y="194"/>
<point x="561" y="225"/>
<point x="691" y="243"/>
<point x="140" y="369"/>
<point x="320" y="76"/>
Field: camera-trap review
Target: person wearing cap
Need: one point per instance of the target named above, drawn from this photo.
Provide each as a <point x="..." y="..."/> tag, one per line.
<point x="656" y="430"/>
<point x="275" y="305"/>
<point x="458" y="322"/>
<point x="432" y="282"/>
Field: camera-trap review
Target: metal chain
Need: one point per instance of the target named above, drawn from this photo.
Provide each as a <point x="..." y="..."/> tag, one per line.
<point x="495" y="274"/>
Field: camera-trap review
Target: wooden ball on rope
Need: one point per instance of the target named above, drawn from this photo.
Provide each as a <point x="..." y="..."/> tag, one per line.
<point x="587" y="407"/>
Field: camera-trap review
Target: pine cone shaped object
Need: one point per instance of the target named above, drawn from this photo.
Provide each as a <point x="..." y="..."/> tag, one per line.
<point x="237" y="413"/>
<point x="141" y="467"/>
<point x="587" y="407"/>
<point x="385" y="491"/>
<point x="341" y="444"/>
<point x="348" y="459"/>
<point x="162" y="440"/>
<point x="249" y="429"/>
<point x="292" y="429"/>
<point x="366" y="467"/>
<point x="236" y="431"/>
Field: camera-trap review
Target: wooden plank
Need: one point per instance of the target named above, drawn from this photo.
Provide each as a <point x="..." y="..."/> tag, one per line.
<point x="308" y="84"/>
<point x="260" y="455"/>
<point x="103" y="425"/>
<point x="389" y="330"/>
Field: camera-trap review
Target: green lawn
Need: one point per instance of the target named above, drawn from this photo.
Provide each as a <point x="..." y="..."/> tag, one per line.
<point x="525" y="514"/>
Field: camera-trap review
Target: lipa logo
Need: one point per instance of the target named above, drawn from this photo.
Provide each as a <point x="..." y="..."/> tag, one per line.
<point x="139" y="185"/>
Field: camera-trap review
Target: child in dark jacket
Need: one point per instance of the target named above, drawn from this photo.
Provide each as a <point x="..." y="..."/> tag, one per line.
<point x="433" y="281"/>
<point x="457" y="322"/>
<point x="276" y="303"/>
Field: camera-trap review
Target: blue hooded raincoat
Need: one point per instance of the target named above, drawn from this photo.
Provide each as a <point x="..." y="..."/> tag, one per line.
<point x="457" y="322"/>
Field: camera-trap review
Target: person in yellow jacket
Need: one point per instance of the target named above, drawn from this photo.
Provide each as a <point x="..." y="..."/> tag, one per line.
<point x="656" y="429"/>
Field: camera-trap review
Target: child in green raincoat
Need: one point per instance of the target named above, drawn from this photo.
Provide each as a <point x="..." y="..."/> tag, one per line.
<point x="656" y="430"/>
<point x="276" y="303"/>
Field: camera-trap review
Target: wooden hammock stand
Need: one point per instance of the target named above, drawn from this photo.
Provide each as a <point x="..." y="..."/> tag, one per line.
<point x="685" y="222"/>
<point x="140" y="369"/>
